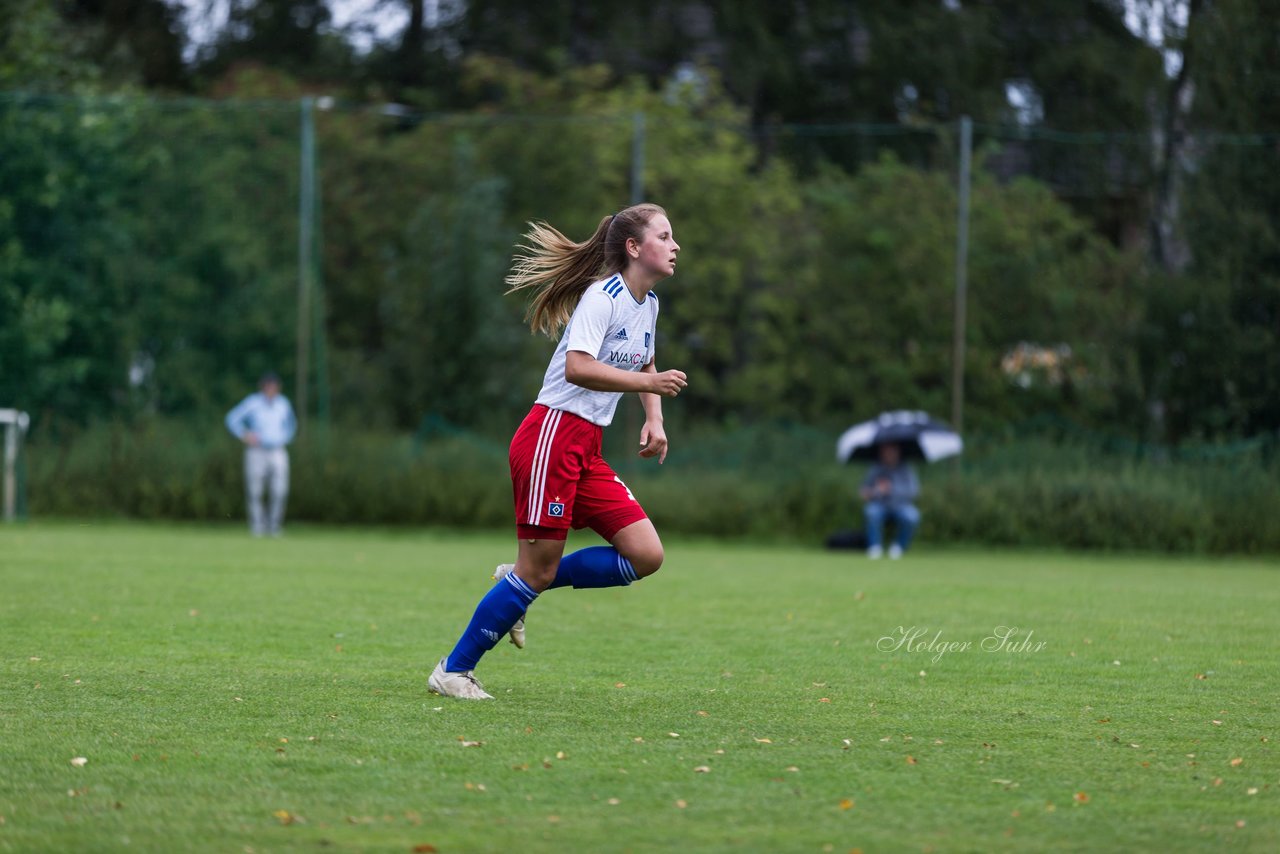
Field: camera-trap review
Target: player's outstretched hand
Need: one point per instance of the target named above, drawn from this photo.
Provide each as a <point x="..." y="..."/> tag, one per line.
<point x="669" y="383"/>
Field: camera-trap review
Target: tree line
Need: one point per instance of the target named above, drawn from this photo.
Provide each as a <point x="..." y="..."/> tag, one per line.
<point x="1124" y="271"/>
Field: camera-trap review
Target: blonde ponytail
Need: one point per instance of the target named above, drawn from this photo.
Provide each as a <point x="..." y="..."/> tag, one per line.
<point x="560" y="270"/>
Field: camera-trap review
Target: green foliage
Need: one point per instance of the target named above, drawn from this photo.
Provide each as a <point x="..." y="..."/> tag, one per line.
<point x="1213" y="334"/>
<point x="148" y="249"/>
<point x="864" y="321"/>
<point x="40" y="50"/>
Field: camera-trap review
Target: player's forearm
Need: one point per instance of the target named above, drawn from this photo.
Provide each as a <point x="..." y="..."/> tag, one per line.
<point x="651" y="403"/>
<point x="582" y="370"/>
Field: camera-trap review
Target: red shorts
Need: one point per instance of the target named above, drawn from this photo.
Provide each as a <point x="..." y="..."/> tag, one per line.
<point x="560" y="480"/>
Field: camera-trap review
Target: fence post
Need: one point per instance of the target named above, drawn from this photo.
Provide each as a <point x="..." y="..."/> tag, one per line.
<point x="631" y="403"/>
<point x="962" y="275"/>
<point x="14" y="424"/>
<point x="306" y="246"/>
<point x="637" y="157"/>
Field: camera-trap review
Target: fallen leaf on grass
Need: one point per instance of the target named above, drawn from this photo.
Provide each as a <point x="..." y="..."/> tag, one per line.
<point x="911" y="760"/>
<point x="560" y="754"/>
<point x="470" y="743"/>
<point x="1240" y="823"/>
<point x="764" y="741"/>
<point x="286" y="817"/>
<point x="1235" y="763"/>
<point x="793" y="769"/>
<point x="846" y="804"/>
<point x="674" y="734"/>
<point x="703" y="714"/>
<point x="425" y="848"/>
<point x="824" y="699"/>
<point x="1080" y="797"/>
<point x="1216" y="723"/>
<point x="681" y="804"/>
<point x="1252" y="790"/>
<point x="702" y="769"/>
<point x="619" y="684"/>
<point x="79" y="761"/>
<point x="554" y="819"/>
<point x="613" y="802"/>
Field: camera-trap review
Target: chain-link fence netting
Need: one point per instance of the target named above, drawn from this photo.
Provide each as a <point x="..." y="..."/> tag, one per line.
<point x="160" y="254"/>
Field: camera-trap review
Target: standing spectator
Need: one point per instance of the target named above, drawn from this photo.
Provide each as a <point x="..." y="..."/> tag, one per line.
<point x="889" y="488"/>
<point x="265" y="422"/>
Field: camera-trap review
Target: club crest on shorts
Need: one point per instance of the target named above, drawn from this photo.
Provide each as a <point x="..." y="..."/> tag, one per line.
<point x="555" y="509"/>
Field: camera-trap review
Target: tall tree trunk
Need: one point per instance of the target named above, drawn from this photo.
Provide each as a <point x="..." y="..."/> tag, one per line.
<point x="413" y="44"/>
<point x="1168" y="250"/>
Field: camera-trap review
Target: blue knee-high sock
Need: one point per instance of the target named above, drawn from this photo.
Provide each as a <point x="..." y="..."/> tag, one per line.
<point x="598" y="566"/>
<point x="494" y="617"/>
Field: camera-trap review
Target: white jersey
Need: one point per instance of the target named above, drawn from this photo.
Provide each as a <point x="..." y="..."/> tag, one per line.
<point x="610" y="326"/>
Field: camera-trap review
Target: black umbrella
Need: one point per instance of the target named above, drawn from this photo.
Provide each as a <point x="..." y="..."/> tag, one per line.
<point x="917" y="434"/>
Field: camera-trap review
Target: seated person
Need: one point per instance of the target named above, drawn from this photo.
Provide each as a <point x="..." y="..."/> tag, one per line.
<point x="889" y="488"/>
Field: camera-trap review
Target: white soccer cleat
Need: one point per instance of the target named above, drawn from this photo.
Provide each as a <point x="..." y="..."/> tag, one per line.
<point x="875" y="552"/>
<point x="895" y="551"/>
<point x="461" y="685"/>
<point x="517" y="631"/>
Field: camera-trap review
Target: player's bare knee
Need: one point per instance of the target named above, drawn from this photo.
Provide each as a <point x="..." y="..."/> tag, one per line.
<point x="537" y="575"/>
<point x="647" y="561"/>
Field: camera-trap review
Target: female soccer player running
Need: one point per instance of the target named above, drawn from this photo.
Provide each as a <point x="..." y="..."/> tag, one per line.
<point x="599" y="293"/>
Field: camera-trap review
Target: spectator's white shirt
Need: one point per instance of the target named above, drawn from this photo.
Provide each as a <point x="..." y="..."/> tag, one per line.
<point x="610" y="326"/>
<point x="271" y="420"/>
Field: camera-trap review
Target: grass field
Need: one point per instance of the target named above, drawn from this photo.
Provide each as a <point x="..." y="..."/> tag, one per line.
<point x="239" y="695"/>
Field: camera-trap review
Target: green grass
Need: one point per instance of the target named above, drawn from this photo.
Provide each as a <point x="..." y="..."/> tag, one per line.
<point x="179" y="660"/>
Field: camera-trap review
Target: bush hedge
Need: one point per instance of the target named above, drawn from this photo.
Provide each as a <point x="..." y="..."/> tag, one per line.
<point x="763" y="484"/>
